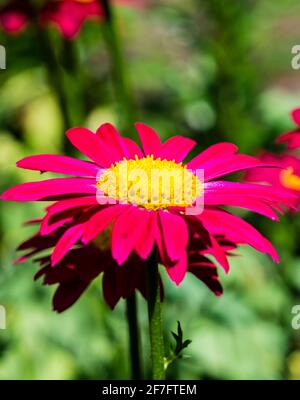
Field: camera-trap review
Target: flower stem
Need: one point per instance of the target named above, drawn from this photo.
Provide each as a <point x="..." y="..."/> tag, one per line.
<point x="155" y="318"/>
<point x="134" y="338"/>
<point x="55" y="78"/>
<point x="120" y="76"/>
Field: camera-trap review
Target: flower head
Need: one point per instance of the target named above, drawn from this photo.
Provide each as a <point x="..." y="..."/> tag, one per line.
<point x="139" y="222"/>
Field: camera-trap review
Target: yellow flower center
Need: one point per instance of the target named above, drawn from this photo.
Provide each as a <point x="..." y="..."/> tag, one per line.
<point x="151" y="183"/>
<point x="289" y="180"/>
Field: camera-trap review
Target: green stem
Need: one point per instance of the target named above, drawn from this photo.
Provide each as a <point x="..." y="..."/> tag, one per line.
<point x="134" y="339"/>
<point x="155" y="318"/>
<point x="55" y="78"/>
<point x="123" y="94"/>
<point x="77" y="95"/>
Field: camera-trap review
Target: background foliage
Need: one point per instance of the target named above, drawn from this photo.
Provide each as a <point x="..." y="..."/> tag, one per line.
<point x="205" y="68"/>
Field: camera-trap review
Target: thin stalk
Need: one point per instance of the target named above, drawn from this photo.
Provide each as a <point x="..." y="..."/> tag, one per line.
<point x="120" y="75"/>
<point x="134" y="339"/>
<point x="56" y="81"/>
<point x="155" y="318"/>
<point x="73" y="72"/>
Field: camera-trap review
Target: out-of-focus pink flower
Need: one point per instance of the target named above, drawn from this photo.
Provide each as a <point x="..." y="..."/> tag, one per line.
<point x="285" y="175"/>
<point x="142" y="222"/>
<point x="14" y="16"/>
<point x="293" y="137"/>
<point x="67" y="15"/>
<point x="74" y="273"/>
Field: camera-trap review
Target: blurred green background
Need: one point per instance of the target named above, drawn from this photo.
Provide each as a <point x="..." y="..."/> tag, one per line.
<point x="213" y="70"/>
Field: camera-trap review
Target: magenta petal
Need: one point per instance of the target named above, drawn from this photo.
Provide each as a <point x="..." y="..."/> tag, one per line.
<point x="178" y="270"/>
<point x="65" y="243"/>
<point x="111" y="137"/>
<point x="61" y="211"/>
<point x="229" y="193"/>
<point x="296" y="116"/>
<point x="228" y="165"/>
<point x="129" y="228"/>
<point x="174" y="234"/>
<point x="64" y="205"/>
<point x="293" y="139"/>
<point x="149" y="138"/>
<point x="33" y="191"/>
<point x="67" y="293"/>
<point x="176" y="148"/>
<point x="132" y="148"/>
<point x="145" y="244"/>
<point x="101" y="220"/>
<point x="47" y="228"/>
<point x="89" y="144"/>
<point x="237" y="230"/>
<point x="219" y="254"/>
<point x="59" y="164"/>
<point x="215" y="152"/>
<point x="111" y="291"/>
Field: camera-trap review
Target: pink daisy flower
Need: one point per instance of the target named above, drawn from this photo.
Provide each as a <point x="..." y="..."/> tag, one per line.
<point x="14" y="16"/>
<point x="292" y="137"/>
<point x="83" y="264"/>
<point x="142" y="222"/>
<point x="286" y="177"/>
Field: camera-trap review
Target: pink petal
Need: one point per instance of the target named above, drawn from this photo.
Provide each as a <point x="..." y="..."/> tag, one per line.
<point x="89" y="144"/>
<point x="66" y="242"/>
<point x="174" y="234"/>
<point x="59" y="212"/>
<point x="145" y="244"/>
<point x="178" y="270"/>
<point x="129" y="228"/>
<point x="216" y="152"/>
<point x="149" y="138"/>
<point x="296" y="116"/>
<point x="208" y="275"/>
<point x="59" y="164"/>
<point x="213" y="246"/>
<point x="132" y="148"/>
<point x="237" y="230"/>
<point x="293" y="139"/>
<point x="33" y="191"/>
<point x="111" y="137"/>
<point x="229" y="193"/>
<point x="68" y="293"/>
<point x="176" y="148"/>
<point x="64" y="205"/>
<point x="101" y="220"/>
<point x="47" y="228"/>
<point x="219" y="254"/>
<point x="224" y="166"/>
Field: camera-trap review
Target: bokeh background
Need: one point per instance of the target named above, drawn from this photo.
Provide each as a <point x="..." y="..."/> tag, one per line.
<point x="213" y="70"/>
